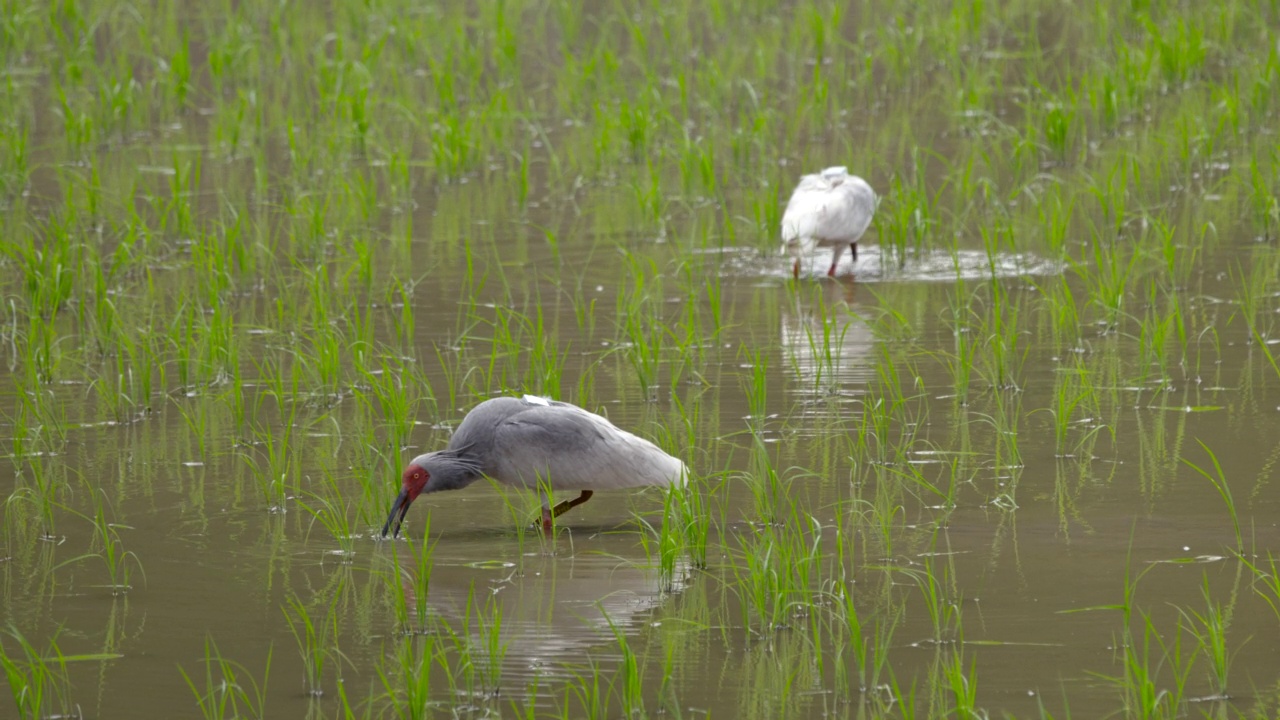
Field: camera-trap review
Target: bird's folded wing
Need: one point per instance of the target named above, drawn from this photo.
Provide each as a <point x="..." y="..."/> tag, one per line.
<point x="569" y="448"/>
<point x="805" y="216"/>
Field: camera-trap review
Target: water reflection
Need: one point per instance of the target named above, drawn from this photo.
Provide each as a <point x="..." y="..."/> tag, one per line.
<point x="826" y="344"/>
<point x="549" y="608"/>
<point x="882" y="264"/>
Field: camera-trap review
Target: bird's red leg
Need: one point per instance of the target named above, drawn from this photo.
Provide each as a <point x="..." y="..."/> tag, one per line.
<point x="832" y="271"/>
<point x="546" y="519"/>
<point x="795" y="269"/>
<point x="564" y="507"/>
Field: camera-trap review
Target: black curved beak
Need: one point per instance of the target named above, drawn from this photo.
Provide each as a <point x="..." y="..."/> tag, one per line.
<point x="398" y="510"/>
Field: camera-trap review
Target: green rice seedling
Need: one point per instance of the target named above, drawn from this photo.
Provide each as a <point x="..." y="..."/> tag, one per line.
<point x="478" y="649"/>
<point x="1006" y="410"/>
<point x="845" y="619"/>
<point x="316" y="639"/>
<point x="47" y="483"/>
<point x="546" y="362"/>
<point x="1252" y="291"/>
<point x="527" y="706"/>
<point x="400" y="590"/>
<point x="79" y="128"/>
<point x="1068" y="396"/>
<point x="15" y="172"/>
<point x="1219" y="481"/>
<point x="963" y="685"/>
<point x="777" y="675"/>
<point x="1112" y="196"/>
<point x="961" y="360"/>
<point x="37" y="680"/>
<point x="273" y="480"/>
<point x="1143" y="660"/>
<point x="906" y="217"/>
<point x="47" y="271"/>
<point x="521" y="505"/>
<point x="667" y="541"/>
<point x="117" y="560"/>
<point x="108" y="547"/>
<point x="887" y="511"/>
<point x="1180" y="50"/>
<point x="1145" y="655"/>
<point x="778" y="578"/>
<point x="630" y="675"/>
<point x="762" y="585"/>
<point x="1153" y="341"/>
<point x="685" y="508"/>
<point x="196" y="416"/>
<point x="347" y="712"/>
<point x="393" y="396"/>
<point x="1266" y="580"/>
<point x="941" y="598"/>
<point x="769" y="490"/>
<point x="228" y="689"/>
<point x="1210" y="630"/>
<point x="332" y="514"/>
<point x="1057" y="121"/>
<point x="1005" y="354"/>
<point x="1055" y="222"/>
<point x="642" y="330"/>
<point x="585" y="695"/>
<point x="489" y="629"/>
<point x="1264" y="198"/>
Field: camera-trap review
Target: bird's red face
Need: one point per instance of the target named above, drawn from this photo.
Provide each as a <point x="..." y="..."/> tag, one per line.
<point x="412" y="480"/>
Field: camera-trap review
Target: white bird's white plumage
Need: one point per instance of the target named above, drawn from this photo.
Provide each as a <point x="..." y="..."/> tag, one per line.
<point x="827" y="209"/>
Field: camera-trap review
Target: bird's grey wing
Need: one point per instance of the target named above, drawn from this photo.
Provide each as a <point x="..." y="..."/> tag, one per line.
<point x="570" y="448"/>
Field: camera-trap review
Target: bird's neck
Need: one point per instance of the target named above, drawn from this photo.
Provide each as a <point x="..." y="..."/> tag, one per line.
<point x="457" y="469"/>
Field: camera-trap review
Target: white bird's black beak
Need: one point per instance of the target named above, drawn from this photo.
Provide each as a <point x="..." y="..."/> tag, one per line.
<point x="398" y="510"/>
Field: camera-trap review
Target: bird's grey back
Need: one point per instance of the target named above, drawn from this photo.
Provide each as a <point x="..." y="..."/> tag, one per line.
<point x="526" y="441"/>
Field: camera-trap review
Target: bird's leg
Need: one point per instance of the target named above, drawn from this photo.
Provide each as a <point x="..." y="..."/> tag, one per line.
<point x="853" y="248"/>
<point x="545" y="520"/>
<point x="564" y="507"/>
<point x="835" y="260"/>
<point x="795" y="269"/>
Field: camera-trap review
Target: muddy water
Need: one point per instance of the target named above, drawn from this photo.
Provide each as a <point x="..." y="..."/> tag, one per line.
<point x="1037" y="585"/>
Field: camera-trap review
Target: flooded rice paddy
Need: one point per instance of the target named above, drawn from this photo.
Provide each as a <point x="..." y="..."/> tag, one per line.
<point x="1017" y="461"/>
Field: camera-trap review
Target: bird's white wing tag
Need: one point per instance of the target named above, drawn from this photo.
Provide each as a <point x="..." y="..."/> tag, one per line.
<point x="535" y="400"/>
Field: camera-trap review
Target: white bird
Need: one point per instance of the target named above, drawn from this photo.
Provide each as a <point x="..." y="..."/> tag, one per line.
<point x="829" y="209"/>
<point x="537" y="443"/>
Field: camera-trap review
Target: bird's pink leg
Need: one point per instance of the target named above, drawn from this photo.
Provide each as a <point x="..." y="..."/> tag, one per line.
<point x="546" y="519"/>
<point x="853" y="248"/>
<point x="795" y="269"/>
<point x="835" y="260"/>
